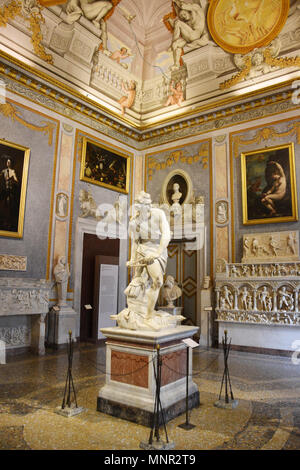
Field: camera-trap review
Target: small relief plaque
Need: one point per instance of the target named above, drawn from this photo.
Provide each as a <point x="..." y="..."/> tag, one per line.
<point x="221" y="212"/>
<point x="13" y="263"/>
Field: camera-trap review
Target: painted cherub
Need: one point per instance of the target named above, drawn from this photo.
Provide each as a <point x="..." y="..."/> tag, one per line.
<point x="176" y="96"/>
<point x="127" y="101"/>
<point x="119" y="55"/>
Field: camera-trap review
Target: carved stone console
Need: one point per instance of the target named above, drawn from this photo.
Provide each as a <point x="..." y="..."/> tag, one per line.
<point x="266" y="295"/>
<point x="22" y="297"/>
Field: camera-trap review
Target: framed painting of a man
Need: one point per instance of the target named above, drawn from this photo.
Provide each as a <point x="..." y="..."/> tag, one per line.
<point x="105" y="166"/>
<point x="14" y="161"/>
<point x="269" y="185"/>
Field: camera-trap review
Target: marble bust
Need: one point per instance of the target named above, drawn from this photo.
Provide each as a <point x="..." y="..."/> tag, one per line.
<point x="176" y="196"/>
<point x="171" y="291"/>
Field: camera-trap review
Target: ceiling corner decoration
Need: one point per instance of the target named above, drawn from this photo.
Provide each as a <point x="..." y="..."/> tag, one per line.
<point x="239" y="26"/>
<point x="140" y="64"/>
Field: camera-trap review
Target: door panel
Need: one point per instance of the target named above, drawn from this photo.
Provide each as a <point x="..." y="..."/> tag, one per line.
<point x="182" y="265"/>
<point x="92" y="246"/>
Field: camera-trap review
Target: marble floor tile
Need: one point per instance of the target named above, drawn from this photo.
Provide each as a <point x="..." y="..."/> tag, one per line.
<point x="266" y="387"/>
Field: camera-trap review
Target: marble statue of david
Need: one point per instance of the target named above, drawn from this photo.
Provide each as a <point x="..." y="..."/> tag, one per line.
<point x="150" y="232"/>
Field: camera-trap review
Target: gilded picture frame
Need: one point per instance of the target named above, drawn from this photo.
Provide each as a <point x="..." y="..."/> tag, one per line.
<point x="105" y="166"/>
<point x="239" y="27"/>
<point x="269" y="192"/>
<point x="13" y="187"/>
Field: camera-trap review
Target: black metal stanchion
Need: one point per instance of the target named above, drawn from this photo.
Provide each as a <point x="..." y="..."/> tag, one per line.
<point x="228" y="402"/>
<point x="68" y="408"/>
<point x="187" y="425"/>
<point x="156" y="443"/>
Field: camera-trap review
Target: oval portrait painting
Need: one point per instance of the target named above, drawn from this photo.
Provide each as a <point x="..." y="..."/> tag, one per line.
<point x="239" y="26"/>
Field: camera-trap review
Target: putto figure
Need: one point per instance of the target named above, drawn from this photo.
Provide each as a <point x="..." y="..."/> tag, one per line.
<point x="150" y="232"/>
<point x="130" y="92"/>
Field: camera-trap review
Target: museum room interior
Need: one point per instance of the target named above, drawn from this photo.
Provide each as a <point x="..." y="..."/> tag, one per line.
<point x="149" y="226"/>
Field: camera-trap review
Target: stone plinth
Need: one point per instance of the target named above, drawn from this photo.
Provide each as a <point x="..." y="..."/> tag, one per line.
<point x="206" y="320"/>
<point x="24" y="298"/>
<point x="129" y="392"/>
<point x="61" y="320"/>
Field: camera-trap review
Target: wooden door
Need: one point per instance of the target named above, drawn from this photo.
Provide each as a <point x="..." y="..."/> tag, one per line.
<point x="93" y="246"/>
<point x="182" y="265"/>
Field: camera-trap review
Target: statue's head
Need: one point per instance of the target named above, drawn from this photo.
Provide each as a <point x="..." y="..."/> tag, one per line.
<point x="184" y="15"/>
<point x="170" y="281"/>
<point x="142" y="205"/>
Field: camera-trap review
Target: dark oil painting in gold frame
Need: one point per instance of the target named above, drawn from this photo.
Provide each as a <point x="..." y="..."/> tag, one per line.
<point x="240" y="26"/>
<point x="269" y="192"/>
<point x="105" y="166"/>
<point x="14" y="161"/>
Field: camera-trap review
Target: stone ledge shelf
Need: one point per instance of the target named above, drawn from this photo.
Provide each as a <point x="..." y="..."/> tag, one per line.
<point x="25" y="296"/>
<point x="256" y="302"/>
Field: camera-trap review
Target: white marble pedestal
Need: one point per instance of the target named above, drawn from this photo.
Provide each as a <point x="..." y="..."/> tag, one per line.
<point x="61" y="320"/>
<point x="129" y="391"/>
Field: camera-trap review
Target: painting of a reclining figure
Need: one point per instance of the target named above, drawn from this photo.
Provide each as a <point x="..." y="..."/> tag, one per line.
<point x="269" y="185"/>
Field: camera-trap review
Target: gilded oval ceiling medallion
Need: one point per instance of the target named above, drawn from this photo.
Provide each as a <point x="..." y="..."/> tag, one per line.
<point x="239" y="26"/>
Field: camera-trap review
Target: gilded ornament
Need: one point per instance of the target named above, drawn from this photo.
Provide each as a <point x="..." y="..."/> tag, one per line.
<point x="9" y="111"/>
<point x="30" y="11"/>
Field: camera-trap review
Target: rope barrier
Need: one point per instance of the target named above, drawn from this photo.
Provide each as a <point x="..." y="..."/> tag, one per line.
<point x="120" y="375"/>
<point x="193" y="374"/>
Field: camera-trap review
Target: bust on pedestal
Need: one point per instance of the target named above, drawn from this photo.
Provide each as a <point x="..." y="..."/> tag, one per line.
<point x="170" y="293"/>
<point x="62" y="318"/>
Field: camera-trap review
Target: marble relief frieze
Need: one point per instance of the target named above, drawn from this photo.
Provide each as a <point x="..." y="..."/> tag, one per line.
<point x="23" y="296"/>
<point x="13" y="263"/>
<point x="260" y="293"/>
<point x="15" y="336"/>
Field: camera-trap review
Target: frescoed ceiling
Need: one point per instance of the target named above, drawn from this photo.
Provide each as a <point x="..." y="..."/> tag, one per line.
<point x="148" y="62"/>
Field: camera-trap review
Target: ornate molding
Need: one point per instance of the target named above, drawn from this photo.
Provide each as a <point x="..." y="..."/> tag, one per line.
<point x="153" y="164"/>
<point x="10" y="111"/>
<point x="13" y="263"/>
<point x="30" y="11"/>
<point x="90" y="115"/>
<point x="282" y="62"/>
<point x="239" y="76"/>
<point x="264" y="134"/>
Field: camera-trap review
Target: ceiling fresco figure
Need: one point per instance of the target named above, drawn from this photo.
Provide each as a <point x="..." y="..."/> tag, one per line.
<point x="188" y="28"/>
<point x="93" y="10"/>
